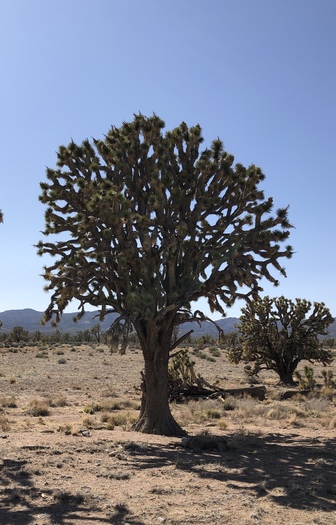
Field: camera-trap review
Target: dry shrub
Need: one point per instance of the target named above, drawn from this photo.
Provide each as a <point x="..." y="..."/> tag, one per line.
<point x="213" y="413"/>
<point x="248" y="408"/>
<point x="124" y="420"/>
<point x="317" y="407"/>
<point x="4" y="423"/>
<point x="190" y="412"/>
<point x="65" y="429"/>
<point x="294" y="420"/>
<point x="104" y="417"/>
<point x="59" y="401"/>
<point x="38" y="408"/>
<point x="66" y="498"/>
<point x="280" y="411"/>
<point x="222" y="424"/>
<point x="110" y="391"/>
<point x="198" y="411"/>
<point x="120" y="475"/>
<point x="42" y="354"/>
<point x="328" y="392"/>
<point x="332" y="422"/>
<point x="108" y="406"/>
<point x="88" y="422"/>
<point x="229" y="403"/>
<point x="243" y="439"/>
<point x="117" y="420"/>
<point x="8" y="402"/>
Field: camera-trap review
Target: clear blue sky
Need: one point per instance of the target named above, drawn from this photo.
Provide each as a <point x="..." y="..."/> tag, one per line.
<point x="260" y="74"/>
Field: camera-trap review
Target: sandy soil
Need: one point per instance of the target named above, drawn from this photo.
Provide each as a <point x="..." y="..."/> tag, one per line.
<point x="68" y="456"/>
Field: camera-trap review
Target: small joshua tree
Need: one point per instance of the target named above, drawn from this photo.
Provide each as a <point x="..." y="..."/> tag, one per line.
<point x="306" y="380"/>
<point x="148" y="224"/>
<point x="276" y="334"/>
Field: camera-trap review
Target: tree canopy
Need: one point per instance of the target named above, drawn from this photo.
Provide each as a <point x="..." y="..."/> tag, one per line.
<point x="143" y="223"/>
<point x="276" y="334"/>
<point x="154" y="223"/>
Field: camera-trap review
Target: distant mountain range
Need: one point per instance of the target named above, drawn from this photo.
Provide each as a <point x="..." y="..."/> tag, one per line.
<point x="30" y="320"/>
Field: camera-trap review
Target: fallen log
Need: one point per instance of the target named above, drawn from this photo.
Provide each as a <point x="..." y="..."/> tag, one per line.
<point x="195" y="392"/>
<point x="289" y="394"/>
<point x="184" y="382"/>
<point x="258" y="392"/>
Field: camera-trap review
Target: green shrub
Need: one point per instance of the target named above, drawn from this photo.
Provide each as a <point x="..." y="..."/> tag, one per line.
<point x="214" y="350"/>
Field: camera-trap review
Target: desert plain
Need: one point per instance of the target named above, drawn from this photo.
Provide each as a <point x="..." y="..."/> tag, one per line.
<point x="69" y="456"/>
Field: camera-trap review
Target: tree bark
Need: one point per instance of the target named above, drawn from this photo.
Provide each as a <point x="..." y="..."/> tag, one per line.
<point x="155" y="415"/>
<point x="286" y="369"/>
<point x="286" y="377"/>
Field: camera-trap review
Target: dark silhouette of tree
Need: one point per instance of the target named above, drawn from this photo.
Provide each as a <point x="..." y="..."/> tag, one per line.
<point x="36" y="336"/>
<point x="276" y="334"/>
<point x="148" y="224"/>
<point x="18" y="334"/>
<point x="96" y="331"/>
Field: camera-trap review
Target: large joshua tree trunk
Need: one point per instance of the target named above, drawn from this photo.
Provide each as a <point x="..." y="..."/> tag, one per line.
<point x="286" y="369"/>
<point x="286" y="378"/>
<point x="155" y="415"/>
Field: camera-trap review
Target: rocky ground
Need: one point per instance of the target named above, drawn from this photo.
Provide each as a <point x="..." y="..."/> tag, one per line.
<point x="68" y="456"/>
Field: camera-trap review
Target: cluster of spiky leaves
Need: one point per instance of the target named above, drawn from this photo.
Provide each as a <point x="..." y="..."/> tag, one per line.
<point x="182" y="373"/>
<point x="276" y="334"/>
<point x="147" y="224"/>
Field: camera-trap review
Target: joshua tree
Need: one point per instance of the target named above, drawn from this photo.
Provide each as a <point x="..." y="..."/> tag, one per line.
<point x="18" y="334"/>
<point x="148" y="224"/>
<point x="96" y="332"/>
<point x="276" y="334"/>
<point x="1" y="216"/>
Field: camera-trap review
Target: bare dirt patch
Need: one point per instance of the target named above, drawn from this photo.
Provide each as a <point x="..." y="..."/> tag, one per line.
<point x="68" y="456"/>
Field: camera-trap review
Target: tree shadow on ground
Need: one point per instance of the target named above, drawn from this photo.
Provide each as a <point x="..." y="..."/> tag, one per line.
<point x="292" y="471"/>
<point x="22" y="502"/>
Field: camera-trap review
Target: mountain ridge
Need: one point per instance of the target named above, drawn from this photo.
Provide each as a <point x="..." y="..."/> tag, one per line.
<point x="30" y="320"/>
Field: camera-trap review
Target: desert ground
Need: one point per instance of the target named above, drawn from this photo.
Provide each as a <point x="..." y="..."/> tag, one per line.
<point x="68" y="456"/>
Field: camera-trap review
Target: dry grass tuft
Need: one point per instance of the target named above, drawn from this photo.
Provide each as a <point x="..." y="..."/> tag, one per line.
<point x="108" y="406"/>
<point x="332" y="423"/>
<point x="118" y="420"/>
<point x="242" y="439"/>
<point x="8" y="402"/>
<point x="59" y="401"/>
<point x="317" y="407"/>
<point x="38" y="408"/>
<point x="4" y="423"/>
